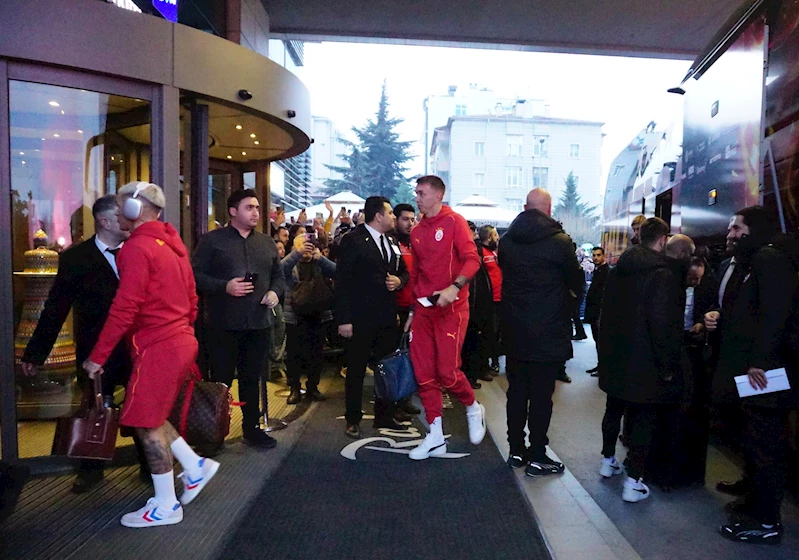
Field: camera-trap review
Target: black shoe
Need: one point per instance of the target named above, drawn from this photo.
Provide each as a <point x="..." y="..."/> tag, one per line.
<point x="474" y="384"/>
<point x="592" y="370"/>
<point x="402" y="416"/>
<point x="516" y="459"/>
<point x="405" y="406"/>
<point x="485" y="376"/>
<point x="543" y="466"/>
<point x="86" y="480"/>
<point x="740" y="487"/>
<point x="579" y="337"/>
<point x="753" y="532"/>
<point x="353" y="431"/>
<point x="295" y="396"/>
<point x="314" y="395"/>
<point x="563" y="377"/>
<point x="259" y="439"/>
<point x="387" y="423"/>
<point x="12" y="480"/>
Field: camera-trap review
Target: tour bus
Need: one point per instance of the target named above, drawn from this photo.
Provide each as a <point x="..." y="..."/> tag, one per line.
<point x="739" y="143"/>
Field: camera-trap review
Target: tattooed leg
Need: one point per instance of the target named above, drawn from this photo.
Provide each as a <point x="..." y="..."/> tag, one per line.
<point x="170" y="432"/>
<point x="156" y="448"/>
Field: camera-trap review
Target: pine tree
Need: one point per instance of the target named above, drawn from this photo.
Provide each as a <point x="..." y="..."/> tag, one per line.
<point x="579" y="219"/>
<point x="377" y="163"/>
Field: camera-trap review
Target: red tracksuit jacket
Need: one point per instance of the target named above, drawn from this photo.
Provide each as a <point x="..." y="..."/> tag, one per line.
<point x="443" y="249"/>
<point x="157" y="296"/>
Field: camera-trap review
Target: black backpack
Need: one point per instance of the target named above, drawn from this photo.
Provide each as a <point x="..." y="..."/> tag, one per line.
<point x="311" y="295"/>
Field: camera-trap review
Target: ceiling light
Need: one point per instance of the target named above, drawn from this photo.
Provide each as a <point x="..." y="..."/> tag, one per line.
<point x="244" y="153"/>
<point x="55" y="136"/>
<point x="112" y="158"/>
<point x="230" y="157"/>
<point x="23" y="162"/>
<point x="252" y="135"/>
<point x="22" y="153"/>
<point x="80" y="131"/>
<point x="62" y="111"/>
<point x="239" y="127"/>
<point x="54" y="104"/>
<point x="256" y="142"/>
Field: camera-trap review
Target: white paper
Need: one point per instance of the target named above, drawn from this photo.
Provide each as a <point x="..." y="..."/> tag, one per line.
<point x="777" y="381"/>
<point x="424" y="301"/>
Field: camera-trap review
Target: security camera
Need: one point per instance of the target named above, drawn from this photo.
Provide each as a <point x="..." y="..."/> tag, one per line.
<point x="245" y="95"/>
<point x="291" y="114"/>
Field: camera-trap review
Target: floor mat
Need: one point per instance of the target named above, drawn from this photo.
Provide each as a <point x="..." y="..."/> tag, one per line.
<point x="380" y="504"/>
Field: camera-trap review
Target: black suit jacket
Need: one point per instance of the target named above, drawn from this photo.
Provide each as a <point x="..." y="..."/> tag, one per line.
<point x="593" y="299"/>
<point x="85" y="283"/>
<point x="361" y="294"/>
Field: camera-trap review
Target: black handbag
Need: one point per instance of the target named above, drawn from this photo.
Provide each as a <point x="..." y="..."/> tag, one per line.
<point x="394" y="377"/>
<point x="311" y="295"/>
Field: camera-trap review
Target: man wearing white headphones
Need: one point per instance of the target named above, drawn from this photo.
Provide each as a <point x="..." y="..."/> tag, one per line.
<point x="154" y="309"/>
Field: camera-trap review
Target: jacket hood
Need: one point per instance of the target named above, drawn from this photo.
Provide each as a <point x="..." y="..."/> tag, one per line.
<point x="444" y="212"/>
<point x="639" y="258"/>
<point x="163" y="231"/>
<point x="532" y="226"/>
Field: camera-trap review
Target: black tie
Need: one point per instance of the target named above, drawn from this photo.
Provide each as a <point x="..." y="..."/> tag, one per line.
<point x="114" y="251"/>
<point x="383" y="248"/>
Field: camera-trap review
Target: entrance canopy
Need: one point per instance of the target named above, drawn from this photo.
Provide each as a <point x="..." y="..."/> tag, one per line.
<point x="483" y="211"/>
<point x="667" y="28"/>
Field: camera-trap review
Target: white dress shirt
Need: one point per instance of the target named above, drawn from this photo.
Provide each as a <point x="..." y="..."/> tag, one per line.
<point x="688" y="316"/>
<point x="108" y="256"/>
<point x="725" y="279"/>
<point x="376" y="237"/>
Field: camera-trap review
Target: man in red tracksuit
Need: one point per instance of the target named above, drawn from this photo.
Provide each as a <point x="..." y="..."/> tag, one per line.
<point x="154" y="310"/>
<point x="445" y="259"/>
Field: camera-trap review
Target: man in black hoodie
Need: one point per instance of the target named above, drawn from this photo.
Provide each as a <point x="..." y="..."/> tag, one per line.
<point x="640" y="349"/>
<point x="540" y="277"/>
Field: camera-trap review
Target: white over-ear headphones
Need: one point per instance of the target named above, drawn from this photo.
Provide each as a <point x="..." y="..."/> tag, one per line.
<point x="132" y="207"/>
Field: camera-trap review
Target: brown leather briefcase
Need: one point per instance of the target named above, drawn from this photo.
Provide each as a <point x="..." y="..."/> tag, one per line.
<point x="91" y="433"/>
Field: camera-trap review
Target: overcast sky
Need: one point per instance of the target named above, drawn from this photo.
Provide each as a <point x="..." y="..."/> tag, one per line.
<point x="625" y="93"/>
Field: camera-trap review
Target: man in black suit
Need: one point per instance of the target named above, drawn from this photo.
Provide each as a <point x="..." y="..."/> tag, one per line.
<point x="593" y="299"/>
<point x="87" y="281"/>
<point x="369" y="273"/>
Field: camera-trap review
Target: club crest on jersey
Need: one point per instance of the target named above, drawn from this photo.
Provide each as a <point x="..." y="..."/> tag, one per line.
<point x="439" y="234"/>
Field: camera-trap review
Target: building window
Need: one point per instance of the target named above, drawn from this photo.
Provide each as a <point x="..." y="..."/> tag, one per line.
<point x="460" y="110"/>
<point x="515" y="145"/>
<point x="541" y="146"/>
<point x="540" y="177"/>
<point x="514" y="204"/>
<point x="479" y="180"/>
<point x="574" y="150"/>
<point x="513" y="177"/>
<point x="618" y="169"/>
<point x="479" y="148"/>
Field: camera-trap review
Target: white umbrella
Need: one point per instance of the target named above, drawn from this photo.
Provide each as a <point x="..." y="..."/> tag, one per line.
<point x="483" y="211"/>
<point x="347" y="199"/>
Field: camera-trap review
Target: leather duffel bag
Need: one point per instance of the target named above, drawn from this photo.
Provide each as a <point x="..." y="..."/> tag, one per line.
<point x="201" y="413"/>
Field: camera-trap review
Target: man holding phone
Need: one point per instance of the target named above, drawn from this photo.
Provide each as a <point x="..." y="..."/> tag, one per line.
<point x="238" y="272"/>
<point x="445" y="259"/>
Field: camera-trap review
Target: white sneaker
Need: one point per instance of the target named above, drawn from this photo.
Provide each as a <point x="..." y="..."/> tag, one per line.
<point x="610" y="467"/>
<point x="634" y="490"/>
<point x="477" y="424"/>
<point x="153" y="515"/>
<point x="433" y="445"/>
<point x="192" y="485"/>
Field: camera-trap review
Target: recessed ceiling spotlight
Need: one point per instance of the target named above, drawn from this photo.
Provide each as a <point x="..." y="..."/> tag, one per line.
<point x="252" y="135"/>
<point x="22" y="153"/>
<point x="244" y="153"/>
<point x="256" y="142"/>
<point x="62" y="111"/>
<point x="80" y="131"/>
<point x="54" y="104"/>
<point x="56" y="136"/>
<point x="230" y="157"/>
<point x="23" y="162"/>
<point x="239" y="127"/>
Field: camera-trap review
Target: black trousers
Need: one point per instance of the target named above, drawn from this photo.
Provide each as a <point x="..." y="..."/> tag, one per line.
<point x="644" y="420"/>
<point x="595" y="334"/>
<point x="242" y="352"/>
<point x="304" y="341"/>
<point x="579" y="330"/>
<point x="765" y="441"/>
<point x="472" y="355"/>
<point x="367" y="342"/>
<point x="611" y="425"/>
<point x="530" y="389"/>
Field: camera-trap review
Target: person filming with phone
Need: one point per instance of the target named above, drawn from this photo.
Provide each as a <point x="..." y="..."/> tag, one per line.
<point x="238" y="272"/>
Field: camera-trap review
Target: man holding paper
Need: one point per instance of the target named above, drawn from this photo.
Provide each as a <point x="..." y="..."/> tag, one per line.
<point x="759" y="297"/>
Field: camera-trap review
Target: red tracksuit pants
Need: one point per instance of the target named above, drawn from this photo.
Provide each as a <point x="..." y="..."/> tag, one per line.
<point x="436" y="340"/>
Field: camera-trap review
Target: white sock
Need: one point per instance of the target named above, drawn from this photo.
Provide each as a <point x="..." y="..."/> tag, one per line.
<point x="186" y="456"/>
<point x="164" y="485"/>
<point x="473" y="408"/>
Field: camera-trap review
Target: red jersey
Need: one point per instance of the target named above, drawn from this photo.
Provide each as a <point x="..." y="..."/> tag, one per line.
<point x="405" y="295"/>
<point x="494" y="273"/>
<point x="157" y="297"/>
<point x="443" y="249"/>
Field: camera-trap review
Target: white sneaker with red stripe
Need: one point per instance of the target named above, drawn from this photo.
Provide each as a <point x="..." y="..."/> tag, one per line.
<point x="153" y="515"/>
<point x="194" y="482"/>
